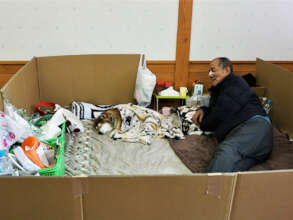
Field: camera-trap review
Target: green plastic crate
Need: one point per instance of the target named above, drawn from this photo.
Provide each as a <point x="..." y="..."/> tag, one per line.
<point x="59" y="168"/>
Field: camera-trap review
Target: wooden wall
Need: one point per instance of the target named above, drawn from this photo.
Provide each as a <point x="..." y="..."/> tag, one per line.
<point x="198" y="70"/>
<point x="164" y="70"/>
<point x="8" y="68"/>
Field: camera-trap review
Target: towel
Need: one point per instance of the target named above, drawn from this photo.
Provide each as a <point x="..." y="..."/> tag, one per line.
<point x="87" y="111"/>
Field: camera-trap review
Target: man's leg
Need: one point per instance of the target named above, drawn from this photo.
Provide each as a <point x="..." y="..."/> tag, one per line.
<point x="244" y="164"/>
<point x="225" y="158"/>
<point x="246" y="145"/>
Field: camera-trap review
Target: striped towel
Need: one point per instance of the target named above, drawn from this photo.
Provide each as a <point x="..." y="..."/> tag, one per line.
<point x="87" y="111"/>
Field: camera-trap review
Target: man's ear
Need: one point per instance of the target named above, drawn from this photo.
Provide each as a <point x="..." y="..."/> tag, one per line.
<point x="227" y="70"/>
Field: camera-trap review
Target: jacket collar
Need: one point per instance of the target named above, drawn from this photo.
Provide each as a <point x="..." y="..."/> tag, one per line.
<point x="223" y="82"/>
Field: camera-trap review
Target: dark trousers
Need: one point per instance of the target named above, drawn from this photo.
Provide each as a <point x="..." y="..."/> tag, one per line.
<point x="246" y="145"/>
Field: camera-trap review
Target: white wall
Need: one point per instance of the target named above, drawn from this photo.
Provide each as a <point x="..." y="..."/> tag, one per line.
<point x="239" y="29"/>
<point x="242" y="30"/>
<point x="39" y="28"/>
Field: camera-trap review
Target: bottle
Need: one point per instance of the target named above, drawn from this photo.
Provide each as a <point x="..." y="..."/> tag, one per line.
<point x="268" y="106"/>
<point x="193" y="87"/>
<point x="5" y="164"/>
<point x="192" y="101"/>
<point x="263" y="101"/>
<point x="197" y="88"/>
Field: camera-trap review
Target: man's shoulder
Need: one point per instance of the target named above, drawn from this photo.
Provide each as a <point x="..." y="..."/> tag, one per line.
<point x="236" y="88"/>
<point x="237" y="83"/>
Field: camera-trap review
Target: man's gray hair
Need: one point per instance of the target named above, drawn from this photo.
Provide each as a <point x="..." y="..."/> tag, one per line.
<point x="225" y="62"/>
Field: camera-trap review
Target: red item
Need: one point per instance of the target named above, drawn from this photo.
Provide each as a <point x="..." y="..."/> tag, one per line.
<point x="168" y="84"/>
<point x="43" y="107"/>
<point x="161" y="83"/>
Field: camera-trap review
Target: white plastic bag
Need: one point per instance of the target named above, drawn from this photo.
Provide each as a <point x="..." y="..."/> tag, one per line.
<point x="145" y="84"/>
<point x="23" y="122"/>
<point x="23" y="127"/>
<point x="10" y="132"/>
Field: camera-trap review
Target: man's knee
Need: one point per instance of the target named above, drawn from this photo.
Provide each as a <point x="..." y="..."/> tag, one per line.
<point x="224" y="160"/>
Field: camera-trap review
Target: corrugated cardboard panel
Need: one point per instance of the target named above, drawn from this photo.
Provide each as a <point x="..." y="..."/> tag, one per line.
<point x="42" y="198"/>
<point x="260" y="91"/>
<point x="279" y="83"/>
<point x="1" y="103"/>
<point x="23" y="88"/>
<point x="263" y="196"/>
<point x="197" y="197"/>
<point x="97" y="79"/>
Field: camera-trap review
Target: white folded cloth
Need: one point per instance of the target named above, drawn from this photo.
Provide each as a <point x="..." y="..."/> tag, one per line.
<point x="169" y="92"/>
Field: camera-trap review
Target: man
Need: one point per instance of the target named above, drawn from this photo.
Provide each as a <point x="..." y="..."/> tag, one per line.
<point x="236" y="116"/>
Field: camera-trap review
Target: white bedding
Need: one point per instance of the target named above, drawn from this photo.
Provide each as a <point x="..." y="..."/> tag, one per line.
<point x="93" y="154"/>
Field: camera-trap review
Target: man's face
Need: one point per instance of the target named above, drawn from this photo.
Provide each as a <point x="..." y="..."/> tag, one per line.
<point x="217" y="73"/>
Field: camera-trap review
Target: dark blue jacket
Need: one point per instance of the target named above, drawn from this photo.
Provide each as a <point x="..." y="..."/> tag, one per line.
<point x="232" y="102"/>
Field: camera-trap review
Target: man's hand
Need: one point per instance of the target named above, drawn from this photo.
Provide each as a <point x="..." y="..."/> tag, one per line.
<point x="197" y="117"/>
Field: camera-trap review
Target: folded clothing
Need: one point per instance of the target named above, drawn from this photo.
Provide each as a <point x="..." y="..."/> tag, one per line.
<point x="87" y="111"/>
<point x="188" y="126"/>
<point x="169" y="92"/>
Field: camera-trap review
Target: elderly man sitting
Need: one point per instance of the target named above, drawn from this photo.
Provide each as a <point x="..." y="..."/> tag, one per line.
<point x="236" y="116"/>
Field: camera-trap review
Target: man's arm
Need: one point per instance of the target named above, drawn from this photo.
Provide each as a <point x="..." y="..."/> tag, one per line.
<point x="227" y="104"/>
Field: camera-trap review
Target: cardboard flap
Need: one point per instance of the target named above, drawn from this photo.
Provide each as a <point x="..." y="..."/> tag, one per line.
<point x="159" y="197"/>
<point x="263" y="196"/>
<point x="279" y="83"/>
<point x="22" y="89"/>
<point x="31" y="198"/>
<point x="97" y="79"/>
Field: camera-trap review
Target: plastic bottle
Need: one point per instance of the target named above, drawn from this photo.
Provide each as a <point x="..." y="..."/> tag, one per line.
<point x="5" y="164"/>
<point x="268" y="106"/>
<point x="197" y="88"/>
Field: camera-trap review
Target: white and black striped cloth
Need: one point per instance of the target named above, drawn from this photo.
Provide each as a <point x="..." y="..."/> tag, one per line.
<point x="87" y="111"/>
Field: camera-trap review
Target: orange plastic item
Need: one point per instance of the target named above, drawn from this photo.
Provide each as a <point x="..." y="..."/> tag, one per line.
<point x="29" y="146"/>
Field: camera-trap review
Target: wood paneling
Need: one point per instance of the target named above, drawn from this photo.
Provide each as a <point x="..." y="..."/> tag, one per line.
<point x="4" y="77"/>
<point x="9" y="68"/>
<point x="183" y="42"/>
<point x="198" y="70"/>
<point x="164" y="70"/>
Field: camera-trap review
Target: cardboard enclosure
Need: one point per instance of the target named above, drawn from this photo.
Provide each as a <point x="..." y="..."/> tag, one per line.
<point x="110" y="79"/>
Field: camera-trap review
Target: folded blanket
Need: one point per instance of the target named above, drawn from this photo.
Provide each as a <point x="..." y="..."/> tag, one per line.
<point x="142" y="125"/>
<point x="139" y="124"/>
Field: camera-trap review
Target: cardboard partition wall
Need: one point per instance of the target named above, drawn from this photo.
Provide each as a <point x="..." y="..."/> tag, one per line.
<point x="160" y="197"/>
<point x="35" y="198"/>
<point x="110" y="79"/>
<point x="23" y="88"/>
<point x="263" y="195"/>
<point x="99" y="79"/>
<point x="279" y="82"/>
<point x="260" y="90"/>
